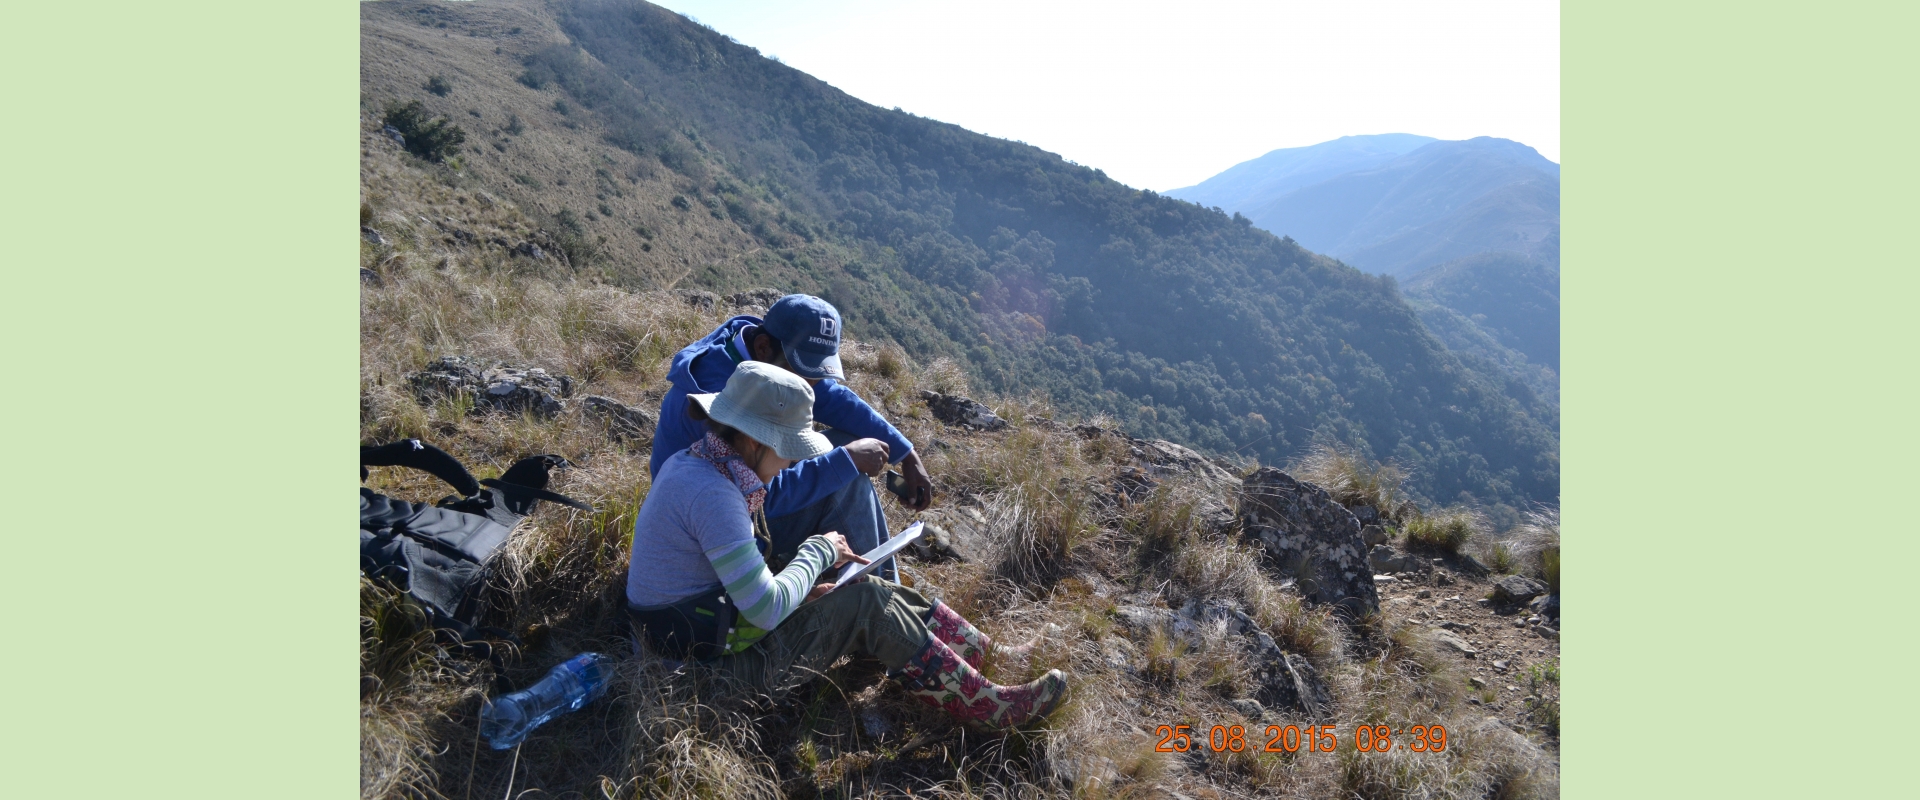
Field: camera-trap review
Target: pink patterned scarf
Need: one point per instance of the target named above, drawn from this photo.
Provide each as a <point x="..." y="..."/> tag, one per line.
<point x="730" y="464"/>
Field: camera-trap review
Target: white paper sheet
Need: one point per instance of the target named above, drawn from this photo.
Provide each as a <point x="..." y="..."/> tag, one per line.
<point x="881" y="553"/>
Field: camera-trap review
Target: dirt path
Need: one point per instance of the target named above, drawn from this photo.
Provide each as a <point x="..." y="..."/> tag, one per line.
<point x="1512" y="653"/>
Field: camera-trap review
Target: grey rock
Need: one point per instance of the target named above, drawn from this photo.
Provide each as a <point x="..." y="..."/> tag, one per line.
<point x="369" y="277"/>
<point x="755" y="298"/>
<point x="703" y="300"/>
<point x="1366" y="514"/>
<point x="1514" y="590"/>
<point x="1547" y="605"/>
<point x="1144" y="619"/>
<point x="1380" y="579"/>
<point x="1424" y="594"/>
<point x="623" y="422"/>
<point x="938" y="545"/>
<point x="1249" y="708"/>
<point x="373" y="236"/>
<point x="1500" y="665"/>
<point x="1284" y="680"/>
<point x="1119" y="653"/>
<point x="1383" y="558"/>
<point x="1309" y="537"/>
<point x="500" y="388"/>
<point x="1476" y="683"/>
<point x="1545" y="632"/>
<point x="1373" y="534"/>
<point x="1443" y="579"/>
<point x="1456" y="644"/>
<point x="957" y="534"/>
<point x="531" y="250"/>
<point x="1090" y="431"/>
<point x="1166" y="459"/>
<point x="1457" y="626"/>
<point x="394" y="133"/>
<point x="962" y="412"/>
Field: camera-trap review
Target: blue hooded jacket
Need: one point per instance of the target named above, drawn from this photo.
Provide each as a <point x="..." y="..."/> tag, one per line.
<point x="704" y="367"/>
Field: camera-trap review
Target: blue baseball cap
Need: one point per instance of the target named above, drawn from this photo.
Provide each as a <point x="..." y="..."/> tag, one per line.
<point x="809" y="332"/>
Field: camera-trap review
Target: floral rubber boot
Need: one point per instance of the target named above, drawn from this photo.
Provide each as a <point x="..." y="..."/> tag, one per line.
<point x="940" y="678"/>
<point x="971" y="643"/>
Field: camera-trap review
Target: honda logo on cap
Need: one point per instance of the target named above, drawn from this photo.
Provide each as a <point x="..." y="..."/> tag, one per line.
<point x="830" y="327"/>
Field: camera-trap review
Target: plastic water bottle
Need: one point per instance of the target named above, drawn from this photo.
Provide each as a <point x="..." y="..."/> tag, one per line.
<point x="574" y="683"/>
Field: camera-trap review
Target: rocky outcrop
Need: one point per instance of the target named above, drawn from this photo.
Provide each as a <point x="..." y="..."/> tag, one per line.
<point x="1282" y="680"/>
<point x="498" y="388"/>
<point x="962" y="412"/>
<point x="1311" y="538"/>
<point x="702" y="300"/>
<point x="755" y="299"/>
<point x="623" y="422"/>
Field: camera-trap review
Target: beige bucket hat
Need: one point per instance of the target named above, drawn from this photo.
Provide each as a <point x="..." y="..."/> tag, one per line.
<point x="770" y="404"/>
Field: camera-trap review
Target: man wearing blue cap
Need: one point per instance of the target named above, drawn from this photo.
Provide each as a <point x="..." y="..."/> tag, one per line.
<point x="801" y="333"/>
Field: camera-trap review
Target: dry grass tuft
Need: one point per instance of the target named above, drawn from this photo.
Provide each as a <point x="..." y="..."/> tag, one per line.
<point x="1351" y="479"/>
<point x="1445" y="531"/>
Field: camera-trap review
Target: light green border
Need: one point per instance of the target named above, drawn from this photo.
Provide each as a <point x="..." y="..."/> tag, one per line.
<point x="1738" y="410"/>
<point x="180" y="312"/>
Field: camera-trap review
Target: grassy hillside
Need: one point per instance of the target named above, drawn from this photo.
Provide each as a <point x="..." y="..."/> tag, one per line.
<point x="1073" y="532"/>
<point x="658" y="153"/>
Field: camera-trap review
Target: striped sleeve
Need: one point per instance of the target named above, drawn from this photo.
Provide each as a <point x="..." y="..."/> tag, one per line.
<point x="762" y="597"/>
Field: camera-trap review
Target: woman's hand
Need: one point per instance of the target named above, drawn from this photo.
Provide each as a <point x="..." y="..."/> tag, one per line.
<point x="842" y="554"/>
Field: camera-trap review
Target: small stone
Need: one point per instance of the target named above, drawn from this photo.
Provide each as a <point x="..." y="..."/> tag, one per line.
<point x="1545" y="632"/>
<point x="1533" y="620"/>
<point x="1455" y="643"/>
<point x="1516" y="590"/>
<point x="1383" y="579"/>
<point x="1249" y="708"/>
<point x="1455" y="598"/>
<point x="1476" y="683"/>
<point x="1483" y="601"/>
<point x="1424" y="594"/>
<point x="1500" y="665"/>
<point x="1443" y="579"/>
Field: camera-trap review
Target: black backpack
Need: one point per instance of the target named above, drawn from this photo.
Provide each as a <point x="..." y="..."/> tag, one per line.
<point x="438" y="554"/>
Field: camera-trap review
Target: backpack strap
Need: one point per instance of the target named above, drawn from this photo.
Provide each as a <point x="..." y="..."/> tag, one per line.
<point x="425" y="457"/>
<point x="526" y="481"/>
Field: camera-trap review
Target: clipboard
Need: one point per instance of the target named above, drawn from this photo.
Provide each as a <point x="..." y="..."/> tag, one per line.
<point x="882" y="553"/>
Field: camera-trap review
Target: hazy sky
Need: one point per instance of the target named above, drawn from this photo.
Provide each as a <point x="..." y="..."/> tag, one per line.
<point x="1164" y="95"/>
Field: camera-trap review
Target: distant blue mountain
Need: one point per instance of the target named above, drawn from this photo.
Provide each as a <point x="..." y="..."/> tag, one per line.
<point x="1435" y="202"/>
<point x="1264" y="179"/>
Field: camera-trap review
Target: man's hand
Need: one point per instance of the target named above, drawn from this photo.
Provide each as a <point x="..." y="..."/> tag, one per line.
<point x="919" y="484"/>
<point x="869" y="455"/>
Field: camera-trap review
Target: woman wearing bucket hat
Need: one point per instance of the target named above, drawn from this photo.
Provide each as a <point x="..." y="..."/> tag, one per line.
<point x="697" y="586"/>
